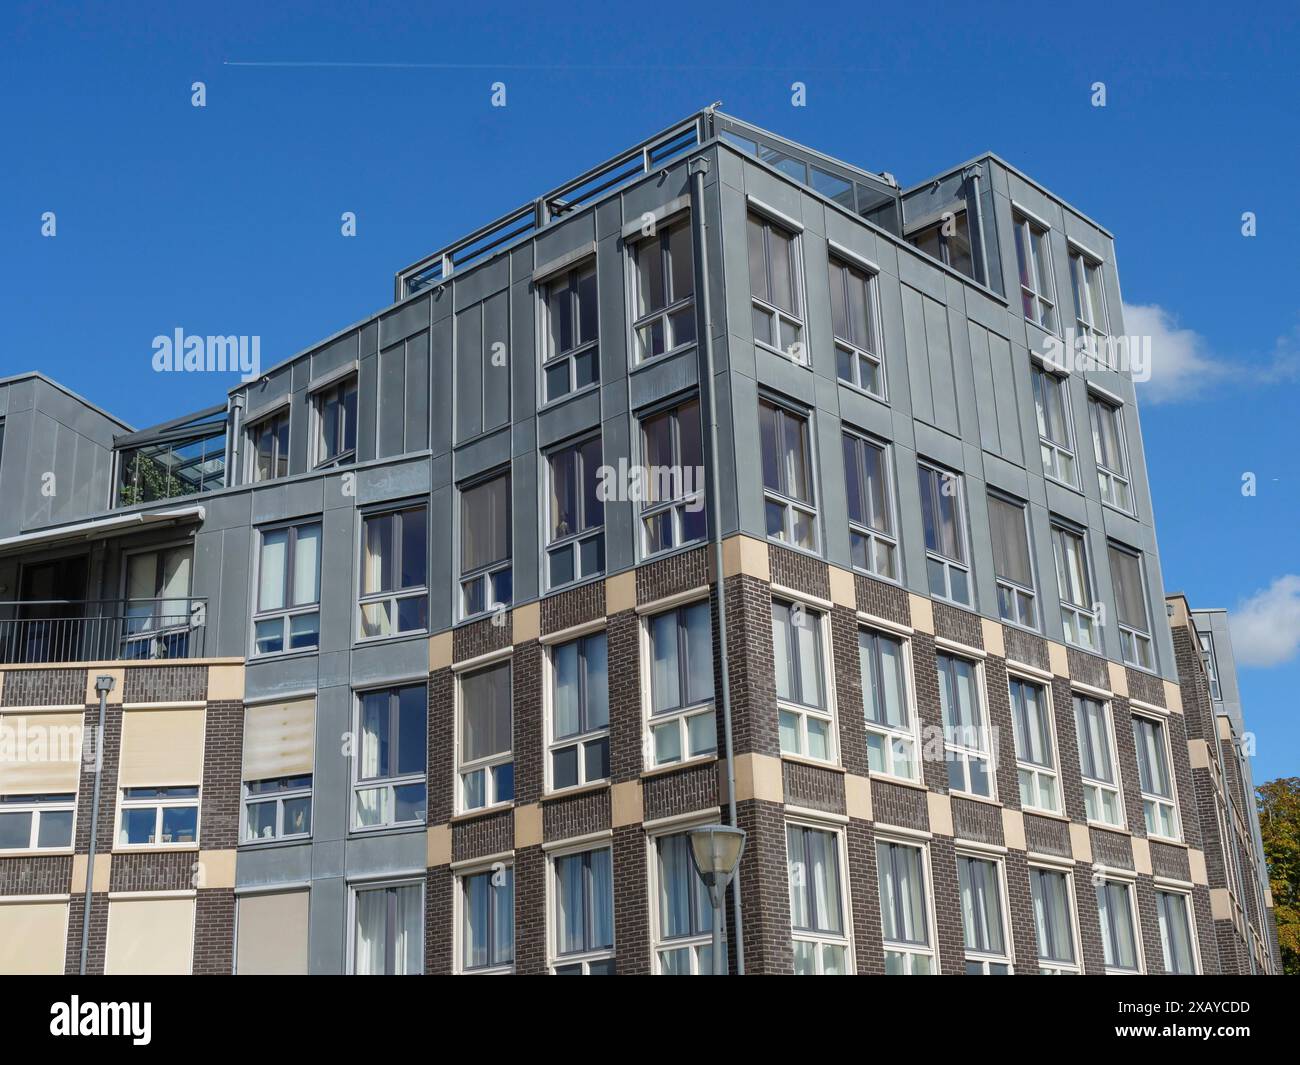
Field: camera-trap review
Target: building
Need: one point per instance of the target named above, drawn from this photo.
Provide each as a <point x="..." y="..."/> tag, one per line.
<point x="412" y="670"/>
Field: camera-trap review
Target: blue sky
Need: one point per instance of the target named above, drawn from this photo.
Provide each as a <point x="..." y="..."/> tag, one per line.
<point x="225" y="219"/>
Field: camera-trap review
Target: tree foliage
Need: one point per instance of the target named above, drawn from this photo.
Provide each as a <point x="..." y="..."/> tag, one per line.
<point x="1279" y="823"/>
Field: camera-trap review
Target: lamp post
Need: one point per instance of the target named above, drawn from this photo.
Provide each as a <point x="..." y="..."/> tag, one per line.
<point x="716" y="851"/>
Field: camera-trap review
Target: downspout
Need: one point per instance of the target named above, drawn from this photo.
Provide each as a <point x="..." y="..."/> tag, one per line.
<point x="103" y="685"/>
<point x="974" y="201"/>
<point x="698" y="168"/>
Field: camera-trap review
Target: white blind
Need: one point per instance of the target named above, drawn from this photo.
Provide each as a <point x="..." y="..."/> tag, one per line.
<point x="150" y="936"/>
<point x="279" y="739"/>
<point x="272" y="937"/>
<point x="161" y="748"/>
<point x="33" y="938"/>
<point x="40" y="754"/>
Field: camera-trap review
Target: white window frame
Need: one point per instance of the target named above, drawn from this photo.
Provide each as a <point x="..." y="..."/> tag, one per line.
<point x="1091" y="784"/>
<point x="800" y="356"/>
<point x="1079" y="620"/>
<point x="1115" y="485"/>
<point x="1189" y="912"/>
<point x="460" y="918"/>
<point x="681" y="717"/>
<point x="1037" y="773"/>
<point x="876" y="537"/>
<point x="277" y="798"/>
<point x="390" y="783"/>
<point x="911" y="952"/>
<point x="1037" y="298"/>
<point x="1135" y="920"/>
<point x="696" y="940"/>
<point x="1093" y="323"/>
<point x="571" y="542"/>
<point x="1137" y="648"/>
<point x="580" y="740"/>
<point x="30" y="804"/>
<point x="779" y="496"/>
<point x="1060" y="458"/>
<point x="1048" y="966"/>
<point x="935" y="557"/>
<point x="583" y="958"/>
<point x="486" y="574"/>
<point x="681" y="504"/>
<point x="1152" y="803"/>
<point x="356" y="887"/>
<point x="674" y="307"/>
<point x="820" y="938"/>
<point x="1205" y="640"/>
<point x="158" y="805"/>
<point x="910" y="735"/>
<point x="967" y="753"/>
<point x="986" y="960"/>
<point x="858" y="350"/>
<point x="322" y="396"/>
<point x="801" y="711"/>
<point x="488" y="763"/>
<point x="287" y="613"/>
<point x="253" y="434"/>
<point x="394" y="596"/>
<point x="1023" y="599"/>
<point x="564" y="285"/>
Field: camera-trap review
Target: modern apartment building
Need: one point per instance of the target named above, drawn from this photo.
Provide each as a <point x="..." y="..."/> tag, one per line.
<point x="728" y="479"/>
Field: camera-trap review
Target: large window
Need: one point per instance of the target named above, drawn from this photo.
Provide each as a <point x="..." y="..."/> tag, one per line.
<point x="575" y="529"/>
<point x="872" y="540"/>
<point x="856" y="327"/>
<point x="40" y="772"/>
<point x="979" y="882"/>
<point x="485" y="762"/>
<point x="806" y="723"/>
<point x="394" y="572"/>
<point x="904" y="919"/>
<point x="1097" y="765"/>
<point x="1206" y="641"/>
<point x="158" y="606"/>
<point x="1074" y="579"/>
<point x="485" y="557"/>
<point x="158" y="816"/>
<point x="943" y="514"/>
<point x="583" y="922"/>
<point x="1118" y="925"/>
<point x="1108" y="447"/>
<point x="672" y="501"/>
<point x="37" y="822"/>
<point x="336" y="424"/>
<point x="278" y="760"/>
<point x="160" y="768"/>
<point x="683" y="722"/>
<point x="1055" y="433"/>
<point x="1031" y="716"/>
<point x="951" y="248"/>
<point x="790" y="499"/>
<point x="816" y="902"/>
<point x="1172" y="912"/>
<point x="1050" y="890"/>
<point x="665" y="291"/>
<point x="1131" y="606"/>
<point x="684" y="932"/>
<point x="579" y="748"/>
<point x="1008" y="524"/>
<point x="488" y="920"/>
<point x="965" y="735"/>
<point x="891" y="731"/>
<point x="391" y="754"/>
<point x="288" y="590"/>
<point x="388" y="930"/>
<point x="1037" y="283"/>
<point x="1159" y="807"/>
<point x="571" y="355"/>
<point x="173" y="466"/>
<point x="268" y="442"/>
<point x="776" y="287"/>
<point x="1089" y="299"/>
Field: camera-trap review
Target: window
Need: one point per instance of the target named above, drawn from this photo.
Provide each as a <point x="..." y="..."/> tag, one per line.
<point x="1097" y="762"/>
<point x="150" y="936"/>
<point x="488" y="920"/>
<point x="943" y="514"/>
<point x="1050" y="890"/>
<point x="571" y="355"/>
<point x="278" y="759"/>
<point x="158" y="817"/>
<point x="277" y="808"/>
<point x="979" y="881"/>
<point x="394" y="573"/>
<point x="1031" y="716"/>
<point x="1159" y="808"/>
<point x="1108" y="447"/>
<point x="951" y="248"/>
<point x="579" y="712"/>
<point x="665" y="291"/>
<point x="33" y="935"/>
<point x="172" y="466"/>
<point x="872" y="541"/>
<point x="789" y="503"/>
<point x="486" y="763"/>
<point x="806" y="725"/>
<point x="672" y="507"/>
<point x="584" y="913"/>
<point x="485" y="556"/>
<point x="1089" y="299"/>
<point x="856" y="326"/>
<point x="903" y="909"/>
<point x="1211" y="666"/>
<point x="575" y="540"/>
<point x="774" y="282"/>
<point x="1175" y="932"/>
<point x="1037" y="285"/>
<point x="1118" y="937"/>
<point x="268" y="442"/>
<point x="966" y="740"/>
<point x="157" y="603"/>
<point x="37" y="822"/>
<point x="891" y="732"/>
<point x="1055" y="438"/>
<point x="816" y="902"/>
<point x="684" y="934"/>
<point x="288" y="590"/>
<point x="391" y="755"/>
<point x="683" y="723"/>
<point x="1078" y="613"/>
<point x="1008" y="522"/>
<point x="336" y="424"/>
<point x="388" y="930"/>
<point x="271" y="933"/>
<point x="1131" y="606"/>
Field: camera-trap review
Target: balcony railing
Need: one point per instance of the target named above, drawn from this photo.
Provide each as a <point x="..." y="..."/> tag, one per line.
<point x="98" y="630"/>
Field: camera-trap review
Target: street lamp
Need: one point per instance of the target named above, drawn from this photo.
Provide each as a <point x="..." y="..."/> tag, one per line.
<point x="716" y="851"/>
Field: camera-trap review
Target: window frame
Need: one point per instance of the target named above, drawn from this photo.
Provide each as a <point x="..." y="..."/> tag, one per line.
<point x="910" y="951"/>
<point x="140" y="631"/>
<point x="159" y="804"/>
<point x="487" y="764"/>
<point x="572" y="541"/>
<point x="583" y="736"/>
<point x="287" y="613"/>
<point x="487" y="573"/>
<point x="817" y="937"/>
<point x="320" y="398"/>
<point x="1033" y="245"/>
<point x="791" y="706"/>
<point x="962" y="224"/>
<point x="673" y="307"/>
<point x="1082" y="261"/>
<point x="1163" y="891"/>
<point x="1023" y="599"/>
<point x="858" y="351"/>
<point x="874" y="538"/>
<point x="588" y="955"/>
<point x="387" y="884"/>
<point x="249" y="798"/>
<point x="696" y="941"/>
<point x="934" y="556"/>
<point x="1094" y="784"/>
<point x="910" y="735"/>
<point x="461" y="915"/>
<point x="1129" y="886"/>
<point x="396" y="595"/>
<point x="1137" y="647"/>
<point x="1076" y="617"/>
<point x="1056" y="967"/>
<point x="1153" y="803"/>
<point x="37" y="804"/>
<point x="796" y="320"/>
<point x="549" y="288"/>
<point x="963" y="752"/>
<point x="1037" y="772"/>
<point x="279" y="422"/>
<point x="393" y="781"/>
<point x="1060" y="458"/>
<point x="780" y="496"/>
<point x="1205" y="640"/>
<point x="679" y="505"/>
<point x="988" y="959"/>
<point x="680" y="716"/>
<point x="1116" y="486"/>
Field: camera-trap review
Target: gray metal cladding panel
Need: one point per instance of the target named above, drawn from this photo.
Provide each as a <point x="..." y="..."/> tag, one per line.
<point x="482" y="281"/>
<point x="417" y="392"/>
<point x="396" y="852"/>
<point x="279" y="502"/>
<point x="392" y="404"/>
<point x="943" y="382"/>
<point x="381" y="662"/>
<point x="407" y="320"/>
<point x="569" y="419"/>
<point x="785" y="376"/>
<point x="367" y="401"/>
<point x="918" y="370"/>
<point x="279" y="677"/>
<point x="393" y="482"/>
<point x="564" y="237"/>
<point x="664" y="377"/>
<point x="338" y="581"/>
<point x="273" y="865"/>
<point x="336" y="353"/>
<point x="496" y="361"/>
<point x="469" y="372"/>
<point x="1010" y="393"/>
<point x="479" y="456"/>
<point x="441" y="371"/>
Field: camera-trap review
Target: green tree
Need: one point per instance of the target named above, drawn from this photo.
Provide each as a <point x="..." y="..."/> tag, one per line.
<point x="1279" y="823"/>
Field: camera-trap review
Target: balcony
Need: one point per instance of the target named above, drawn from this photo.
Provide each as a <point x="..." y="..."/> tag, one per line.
<point x="35" y="632"/>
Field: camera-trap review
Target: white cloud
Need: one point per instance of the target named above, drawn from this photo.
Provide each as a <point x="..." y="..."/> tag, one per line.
<point x="1266" y="627"/>
<point x="1182" y="364"/>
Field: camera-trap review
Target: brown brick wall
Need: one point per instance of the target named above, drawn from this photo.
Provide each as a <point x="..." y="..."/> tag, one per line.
<point x="214" y="932"/>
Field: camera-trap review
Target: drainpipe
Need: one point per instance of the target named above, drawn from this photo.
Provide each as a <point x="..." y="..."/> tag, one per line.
<point x="103" y="685"/>
<point x="698" y="168"/>
<point x="977" y="207"/>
